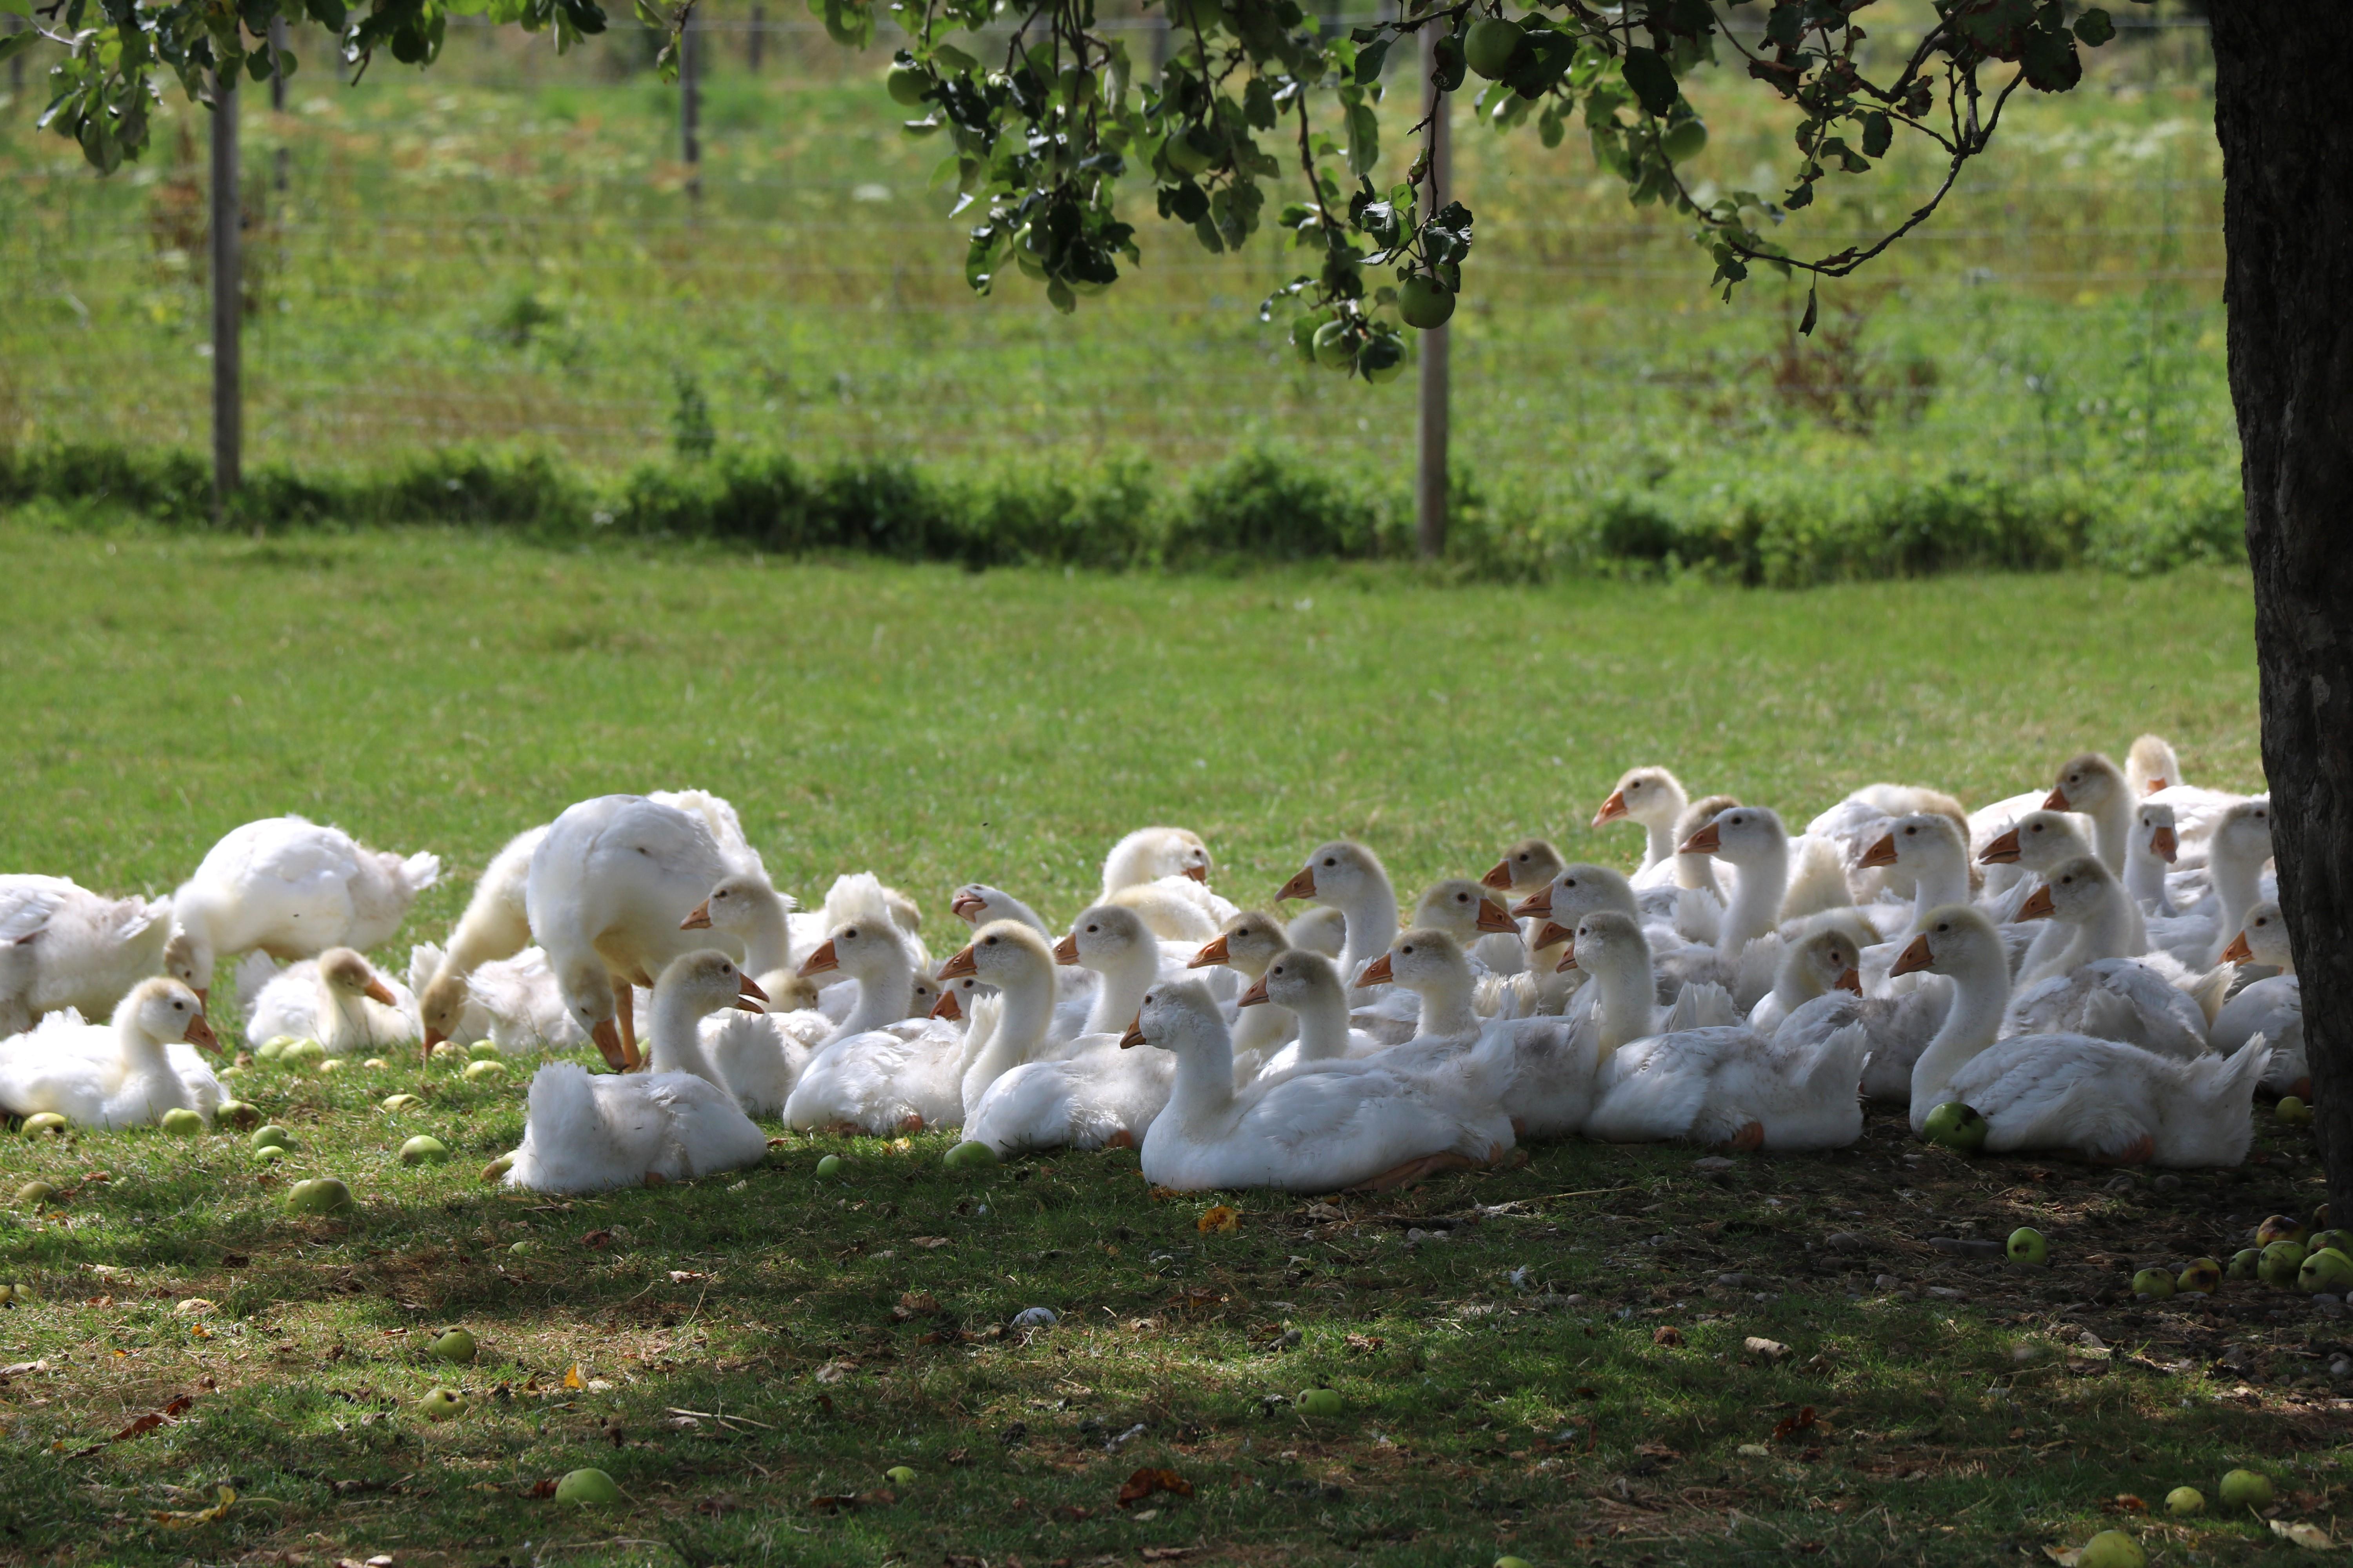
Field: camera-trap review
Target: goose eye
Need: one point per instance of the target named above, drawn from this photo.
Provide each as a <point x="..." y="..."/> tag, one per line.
<point x="1328" y="860"/>
<point x="991" y="942"/>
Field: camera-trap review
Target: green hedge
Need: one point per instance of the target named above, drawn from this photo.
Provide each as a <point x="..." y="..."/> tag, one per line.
<point x="1816" y="523"/>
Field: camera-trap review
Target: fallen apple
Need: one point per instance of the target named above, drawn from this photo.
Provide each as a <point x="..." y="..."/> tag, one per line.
<point x="45" y="1122"/>
<point x="522" y="1249"/>
<point x="828" y="1168"/>
<point x="267" y="1155"/>
<point x="969" y="1156"/>
<point x="2111" y="1549"/>
<point x="270" y="1135"/>
<point x="899" y="1475"/>
<point x="1512" y="1563"/>
<point x="422" y="1149"/>
<point x="182" y="1123"/>
<point x="440" y="1404"/>
<point x="456" y="1344"/>
<point x="2246" y="1489"/>
<point x="2183" y="1501"/>
<point x="2292" y="1111"/>
<point x="270" y="1049"/>
<point x="2341" y="1240"/>
<point x="590" y="1488"/>
<point x="375" y="1064"/>
<point x="2027" y="1247"/>
<point x="331" y="1064"/>
<point x="448" y="1049"/>
<point x="2327" y="1271"/>
<point x="2199" y="1277"/>
<point x="400" y="1101"/>
<point x="1956" y="1127"/>
<point x="319" y="1194"/>
<point x="2242" y="1263"/>
<point x="484" y="1050"/>
<point x="1320" y="1402"/>
<point x="33" y="1195"/>
<point x="299" y="1053"/>
<point x="478" y="1071"/>
<point x="20" y="1293"/>
<point x="237" y="1113"/>
<point x="2279" y="1227"/>
<point x="2279" y="1263"/>
<point x="2157" y="1283"/>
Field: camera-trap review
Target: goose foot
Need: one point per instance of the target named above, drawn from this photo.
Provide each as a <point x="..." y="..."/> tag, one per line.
<point x="656" y="1179"/>
<point x="1419" y="1170"/>
<point x="2137" y="1152"/>
<point x="1122" y="1139"/>
<point x="1519" y="1130"/>
<point x="1748" y="1140"/>
<point x="911" y="1122"/>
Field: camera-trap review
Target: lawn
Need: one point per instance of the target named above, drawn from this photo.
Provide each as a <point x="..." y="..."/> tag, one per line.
<point x="1555" y="1361"/>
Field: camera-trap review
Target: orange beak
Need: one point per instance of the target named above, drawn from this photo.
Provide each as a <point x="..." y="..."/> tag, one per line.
<point x="2056" y="800"/>
<point x="1198" y="873"/>
<point x="1492" y="917"/>
<point x="959" y="964"/>
<point x="1913" y="958"/>
<point x="1067" y="950"/>
<point x="1376" y="972"/>
<point x="1569" y="958"/>
<point x="1850" y="980"/>
<point x="1498" y="876"/>
<point x="1301" y="886"/>
<point x="1554" y="935"/>
<point x="825" y="958"/>
<point x="377" y="990"/>
<point x="1255" y="994"/>
<point x="1611" y="809"/>
<point x="2038" y="906"/>
<point x="748" y="995"/>
<point x="1707" y="841"/>
<point x="433" y="1037"/>
<point x="946" y="1007"/>
<point x="1880" y="854"/>
<point x="2165" y="845"/>
<point x="2239" y="952"/>
<point x="1536" y="905"/>
<point x="1215" y="954"/>
<point x="2002" y="851"/>
<point x="968" y="907"/>
<point x="200" y="1035"/>
<point x="698" y="921"/>
<point x="1134" y="1035"/>
<point x="607" y="1035"/>
<point x="2154" y="785"/>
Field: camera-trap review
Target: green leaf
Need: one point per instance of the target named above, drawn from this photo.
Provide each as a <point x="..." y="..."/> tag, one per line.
<point x="15" y="9"/>
<point x="2095" y="27"/>
<point x="1806" y="326"/>
<point x="17" y="43"/>
<point x="1653" y="79"/>
<point x="954" y="59"/>
<point x="1363" y="140"/>
<point x="1369" y="58"/>
<point x="1878" y="132"/>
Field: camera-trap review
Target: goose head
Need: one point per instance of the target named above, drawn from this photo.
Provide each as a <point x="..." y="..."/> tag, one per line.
<point x="1421" y="958"/>
<point x="734" y="905"/>
<point x="1577" y="890"/>
<point x="163" y="1009"/>
<point x="1652" y="796"/>
<point x="1743" y="836"/>
<point x="2039" y="841"/>
<point x="707" y="981"/>
<point x="1248" y="945"/>
<point x="860" y="949"/>
<point x="2075" y="891"/>
<point x="1958" y="941"/>
<point x="189" y="959"/>
<point x="2263" y="938"/>
<point x="2153" y="829"/>
<point x="1107" y="937"/>
<point x="2086" y="784"/>
<point x="1002" y="953"/>
<point x="1297" y="982"/>
<point x="440" y="1004"/>
<point x="1319" y="929"/>
<point x="1829" y="960"/>
<point x="1602" y="937"/>
<point x="1700" y="813"/>
<point x="1526" y="866"/>
<point x="1149" y="854"/>
<point x="2150" y="767"/>
<point x="930" y="999"/>
<point x="1922" y="839"/>
<point x="1460" y="908"/>
<point x="350" y="977"/>
<point x="2243" y="832"/>
<point x="1337" y="873"/>
<point x="1177" y="1016"/>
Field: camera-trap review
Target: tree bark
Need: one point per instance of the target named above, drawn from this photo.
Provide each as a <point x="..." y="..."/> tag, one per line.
<point x="2280" y="66"/>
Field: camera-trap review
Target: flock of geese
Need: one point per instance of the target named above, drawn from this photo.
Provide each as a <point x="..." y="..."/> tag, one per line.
<point x="2097" y="968"/>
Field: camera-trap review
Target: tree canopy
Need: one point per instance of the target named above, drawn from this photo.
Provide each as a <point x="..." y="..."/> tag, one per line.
<point x="1044" y="120"/>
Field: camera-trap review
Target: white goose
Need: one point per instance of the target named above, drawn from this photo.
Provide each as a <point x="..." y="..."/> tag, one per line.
<point x="1546" y="1063"/>
<point x="1897" y="1027"/>
<point x="977" y="903"/>
<point x="1748" y="945"/>
<point x="496" y="925"/>
<point x="1859" y="821"/>
<point x="2272" y="1008"/>
<point x="2150" y="856"/>
<point x="2099" y="985"/>
<point x="883" y="1070"/>
<point x="1351" y="879"/>
<point x="730" y="1047"/>
<point x="1654" y="800"/>
<point x="748" y="909"/>
<point x="1929" y="853"/>
<point x="585" y="1134"/>
<point x="607" y="891"/>
<point x="1163" y="874"/>
<point x="63" y="946"/>
<point x="2102" y="1101"/>
<point x="2095" y="788"/>
<point x="2153" y="773"/>
<point x="124" y="1073"/>
<point x="1577" y="890"/>
<point x="2035" y="843"/>
<point x="357" y="1012"/>
<point x="1251" y="941"/>
<point x="2237" y="848"/>
<point x="1091" y="1096"/>
<point x="1309" y="1131"/>
<point x="1304" y="988"/>
<point x="292" y="889"/>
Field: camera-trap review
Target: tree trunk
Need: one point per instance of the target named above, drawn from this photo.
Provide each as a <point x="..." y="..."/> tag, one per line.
<point x="2287" y="226"/>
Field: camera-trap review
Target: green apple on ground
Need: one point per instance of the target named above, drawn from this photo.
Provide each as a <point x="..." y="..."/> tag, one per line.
<point x="2280" y="1227"/>
<point x="2026" y="1246"/>
<point x="1320" y="1402"/>
<point x="590" y="1488"/>
<point x="2327" y="1271"/>
<point x="829" y="1168"/>
<point x="182" y="1123"/>
<point x="456" y="1344"/>
<point x="423" y="1150"/>
<point x="43" y="1122"/>
<point x="2200" y="1275"/>
<point x="318" y="1195"/>
<point x="476" y="1071"/>
<point x="2153" y="1282"/>
<point x="1956" y="1127"/>
<point x="2111" y="1549"/>
<point x="267" y="1155"/>
<point x="2244" y="1263"/>
<point x="899" y="1475"/>
<point x="33" y="1195"/>
<point x="2183" y="1501"/>
<point x="236" y="1113"/>
<point x="2280" y="1263"/>
<point x="2246" y="1489"/>
<point x="2292" y="1111"/>
<point x="440" y="1404"/>
<point x="270" y="1135"/>
<point x="969" y="1156"/>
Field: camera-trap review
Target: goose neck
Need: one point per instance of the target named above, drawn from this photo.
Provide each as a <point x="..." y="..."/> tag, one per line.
<point x="2107" y="932"/>
<point x="143" y="1053"/>
<point x="1697" y="871"/>
<point x="1943" y="881"/>
<point x="1625" y="1000"/>
<point x="2112" y="822"/>
<point x="1125" y="979"/>
<point x="1370" y="922"/>
<point x="1980" y="997"/>
<point x="884" y="988"/>
<point x="1446" y="1004"/>
<point x="1323" y="1027"/>
<point x="766" y="937"/>
<point x="1025" y="1014"/>
<point x="2238" y="879"/>
<point x="675" y="1031"/>
<point x="342" y="1021"/>
<point x="2145" y="879"/>
<point x="1756" y="903"/>
<point x="1205" y="1077"/>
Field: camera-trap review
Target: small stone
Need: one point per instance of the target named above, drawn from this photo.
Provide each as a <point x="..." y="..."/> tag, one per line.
<point x="1713" y="1162"/>
<point x="1888" y="1282"/>
<point x="1770" y="1350"/>
<point x="1946" y="1293"/>
<point x="1846" y="1241"/>
<point x="1036" y="1318"/>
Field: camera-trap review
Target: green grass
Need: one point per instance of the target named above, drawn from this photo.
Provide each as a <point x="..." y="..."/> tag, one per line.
<point x="441" y="690"/>
<point x="500" y="251"/>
